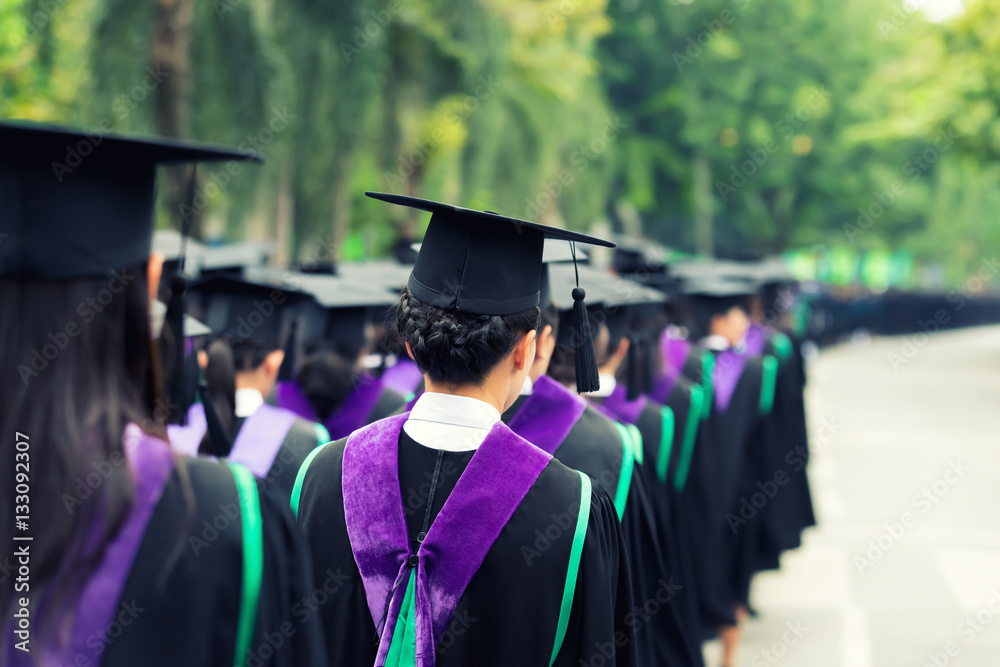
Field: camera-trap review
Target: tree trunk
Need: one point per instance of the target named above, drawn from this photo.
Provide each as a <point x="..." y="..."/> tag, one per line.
<point x="170" y="61"/>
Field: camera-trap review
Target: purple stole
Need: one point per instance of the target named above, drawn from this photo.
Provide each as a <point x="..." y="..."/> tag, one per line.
<point x="675" y="352"/>
<point x="728" y="369"/>
<point x="755" y="340"/>
<point x="404" y="377"/>
<point x="186" y="439"/>
<point x="350" y="416"/>
<point x="256" y="445"/>
<point x="487" y="494"/>
<point x="549" y="414"/>
<point x="619" y="408"/>
<point x="151" y="463"/>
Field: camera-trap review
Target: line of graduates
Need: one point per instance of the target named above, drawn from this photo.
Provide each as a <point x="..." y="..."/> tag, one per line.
<point x="499" y="455"/>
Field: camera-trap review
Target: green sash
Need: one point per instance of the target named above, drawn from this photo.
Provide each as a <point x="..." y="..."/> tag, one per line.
<point x="253" y="561"/>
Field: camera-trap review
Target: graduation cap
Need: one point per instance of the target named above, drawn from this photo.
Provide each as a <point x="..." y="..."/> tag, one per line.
<point x="192" y="327"/>
<point x="716" y="294"/>
<point x="484" y="263"/>
<point x="340" y="311"/>
<point x="77" y="205"/>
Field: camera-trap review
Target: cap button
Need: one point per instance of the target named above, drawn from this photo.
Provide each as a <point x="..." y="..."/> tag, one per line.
<point x="412" y="560"/>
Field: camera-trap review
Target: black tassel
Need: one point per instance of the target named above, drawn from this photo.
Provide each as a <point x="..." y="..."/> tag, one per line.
<point x="287" y="371"/>
<point x="587" y="378"/>
<point x="174" y="350"/>
<point x="634" y="361"/>
<point x="221" y="446"/>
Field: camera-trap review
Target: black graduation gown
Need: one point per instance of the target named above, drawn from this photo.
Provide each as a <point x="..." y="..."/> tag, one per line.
<point x="301" y="439"/>
<point x="791" y="510"/>
<point x="722" y="473"/>
<point x="509" y="611"/>
<point x="182" y="597"/>
<point x="594" y="446"/>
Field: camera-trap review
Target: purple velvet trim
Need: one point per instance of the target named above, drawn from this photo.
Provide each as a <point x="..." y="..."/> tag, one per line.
<point x="186" y="439"/>
<point x="624" y="410"/>
<point x="487" y="494"/>
<point x="755" y="340"/>
<point x="675" y="352"/>
<point x="353" y="412"/>
<point x="549" y="414"/>
<point x="261" y="437"/>
<point x="290" y="397"/>
<point x="404" y="377"/>
<point x="151" y="463"/>
<point x="728" y="369"/>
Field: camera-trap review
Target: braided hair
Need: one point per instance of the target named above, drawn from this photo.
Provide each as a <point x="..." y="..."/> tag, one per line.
<point x="459" y="348"/>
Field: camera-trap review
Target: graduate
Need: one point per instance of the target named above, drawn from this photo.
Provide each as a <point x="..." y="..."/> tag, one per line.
<point x="242" y="368"/>
<point x="335" y="333"/>
<point x="460" y="542"/>
<point x="730" y="457"/>
<point x="550" y="415"/>
<point x="137" y="556"/>
<point x="770" y="333"/>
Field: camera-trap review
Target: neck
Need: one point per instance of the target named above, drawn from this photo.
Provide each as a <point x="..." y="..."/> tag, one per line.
<point x="487" y="394"/>
<point x="253" y="381"/>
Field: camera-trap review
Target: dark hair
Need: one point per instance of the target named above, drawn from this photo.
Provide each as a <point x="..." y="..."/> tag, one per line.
<point x="77" y="370"/>
<point x="326" y="378"/>
<point x="549" y="318"/>
<point x="459" y="348"/>
<point x="224" y="362"/>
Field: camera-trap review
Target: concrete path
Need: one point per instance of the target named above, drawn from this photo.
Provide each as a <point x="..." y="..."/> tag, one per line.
<point x="904" y="568"/>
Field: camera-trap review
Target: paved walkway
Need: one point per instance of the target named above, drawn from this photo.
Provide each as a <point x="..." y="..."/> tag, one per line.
<point x="905" y="565"/>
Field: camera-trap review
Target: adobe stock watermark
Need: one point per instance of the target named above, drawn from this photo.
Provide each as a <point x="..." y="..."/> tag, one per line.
<point x="365" y="35"/>
<point x="914" y="167"/>
<point x="902" y="13"/>
<point x="740" y="173"/>
<point x="971" y="627"/>
<point x="914" y="343"/>
<point x="256" y="145"/>
<point x="122" y="106"/>
<point x="428" y="146"/>
<point x="87" y="310"/>
<point x="269" y="643"/>
<point x="41" y="17"/>
<point x="580" y="159"/>
<point x="773" y="654"/>
<point x="697" y="44"/>
<point x="923" y="502"/>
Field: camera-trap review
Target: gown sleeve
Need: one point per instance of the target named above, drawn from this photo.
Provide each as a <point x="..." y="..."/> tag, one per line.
<point x="288" y="628"/>
<point x="603" y="600"/>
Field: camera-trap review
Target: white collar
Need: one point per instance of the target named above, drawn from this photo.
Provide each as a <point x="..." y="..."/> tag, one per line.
<point x="248" y="401"/>
<point x="716" y="342"/>
<point x="608" y="384"/>
<point x="527" y="387"/>
<point x="449" y="422"/>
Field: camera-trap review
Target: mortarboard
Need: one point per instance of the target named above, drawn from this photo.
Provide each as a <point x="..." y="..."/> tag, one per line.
<point x="484" y="263"/>
<point x="80" y="205"/>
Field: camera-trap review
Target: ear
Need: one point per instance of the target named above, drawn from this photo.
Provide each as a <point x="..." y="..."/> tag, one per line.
<point x="546" y="343"/>
<point x="154" y="271"/>
<point x="409" y="350"/>
<point x="202" y="359"/>
<point x="272" y="362"/>
<point x="522" y="354"/>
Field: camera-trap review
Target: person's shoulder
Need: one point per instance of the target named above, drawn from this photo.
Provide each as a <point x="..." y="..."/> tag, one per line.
<point x="597" y="424"/>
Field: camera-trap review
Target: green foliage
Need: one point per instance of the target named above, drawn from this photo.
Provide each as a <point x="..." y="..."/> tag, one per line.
<point x="849" y="124"/>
